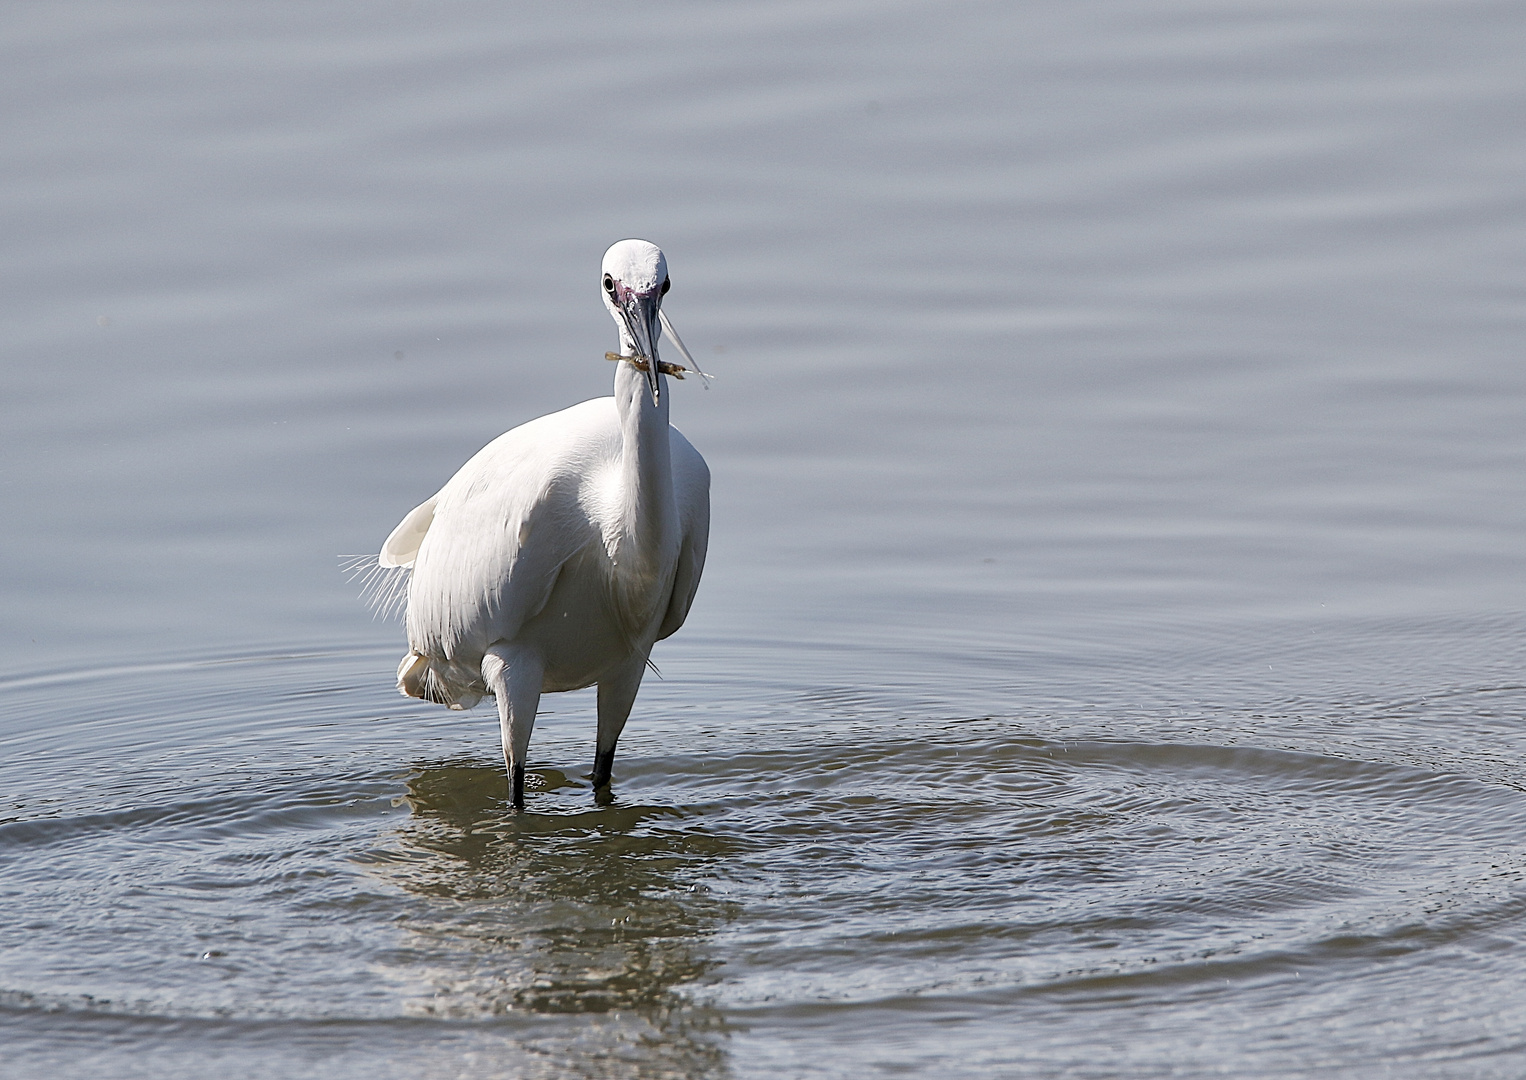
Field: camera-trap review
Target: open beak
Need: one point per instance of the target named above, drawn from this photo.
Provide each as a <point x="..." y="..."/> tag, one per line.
<point x="641" y="314"/>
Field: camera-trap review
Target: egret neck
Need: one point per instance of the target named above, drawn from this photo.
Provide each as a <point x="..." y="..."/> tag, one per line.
<point x="644" y="550"/>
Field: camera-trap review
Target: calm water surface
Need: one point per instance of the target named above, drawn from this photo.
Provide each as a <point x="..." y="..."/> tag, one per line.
<point x="1111" y="660"/>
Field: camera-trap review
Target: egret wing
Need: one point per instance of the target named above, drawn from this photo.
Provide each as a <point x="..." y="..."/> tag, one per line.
<point x="503" y="527"/>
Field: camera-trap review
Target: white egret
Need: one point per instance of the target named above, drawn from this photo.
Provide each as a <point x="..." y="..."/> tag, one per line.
<point x="558" y="555"/>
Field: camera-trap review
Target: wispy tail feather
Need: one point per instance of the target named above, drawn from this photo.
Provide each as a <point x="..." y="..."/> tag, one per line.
<point x="384" y="589"/>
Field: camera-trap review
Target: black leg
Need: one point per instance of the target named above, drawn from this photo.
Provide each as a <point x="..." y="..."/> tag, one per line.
<point x="603" y="767"/>
<point x="517" y="785"/>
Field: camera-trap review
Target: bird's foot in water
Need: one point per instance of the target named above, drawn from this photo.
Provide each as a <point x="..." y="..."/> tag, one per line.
<point x="603" y="795"/>
<point x="603" y="767"/>
<point x="603" y="770"/>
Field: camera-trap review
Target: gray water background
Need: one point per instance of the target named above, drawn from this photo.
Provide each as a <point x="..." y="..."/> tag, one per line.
<point x="1109" y="658"/>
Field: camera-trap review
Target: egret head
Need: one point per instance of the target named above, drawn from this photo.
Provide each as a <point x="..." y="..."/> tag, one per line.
<point x="635" y="276"/>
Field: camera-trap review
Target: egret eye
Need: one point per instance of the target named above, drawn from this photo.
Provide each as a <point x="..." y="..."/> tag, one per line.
<point x="609" y="285"/>
<point x="667" y="283"/>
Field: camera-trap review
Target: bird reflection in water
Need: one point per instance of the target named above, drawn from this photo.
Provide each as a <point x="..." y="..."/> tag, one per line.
<point x="592" y="911"/>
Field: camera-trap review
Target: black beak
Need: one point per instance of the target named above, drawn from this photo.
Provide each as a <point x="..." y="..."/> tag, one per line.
<point x="640" y="312"/>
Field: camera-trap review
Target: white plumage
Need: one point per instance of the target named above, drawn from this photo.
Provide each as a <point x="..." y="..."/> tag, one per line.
<point x="558" y="555"/>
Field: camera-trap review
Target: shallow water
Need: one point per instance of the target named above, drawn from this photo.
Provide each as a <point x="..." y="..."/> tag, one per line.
<point x="1109" y="660"/>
